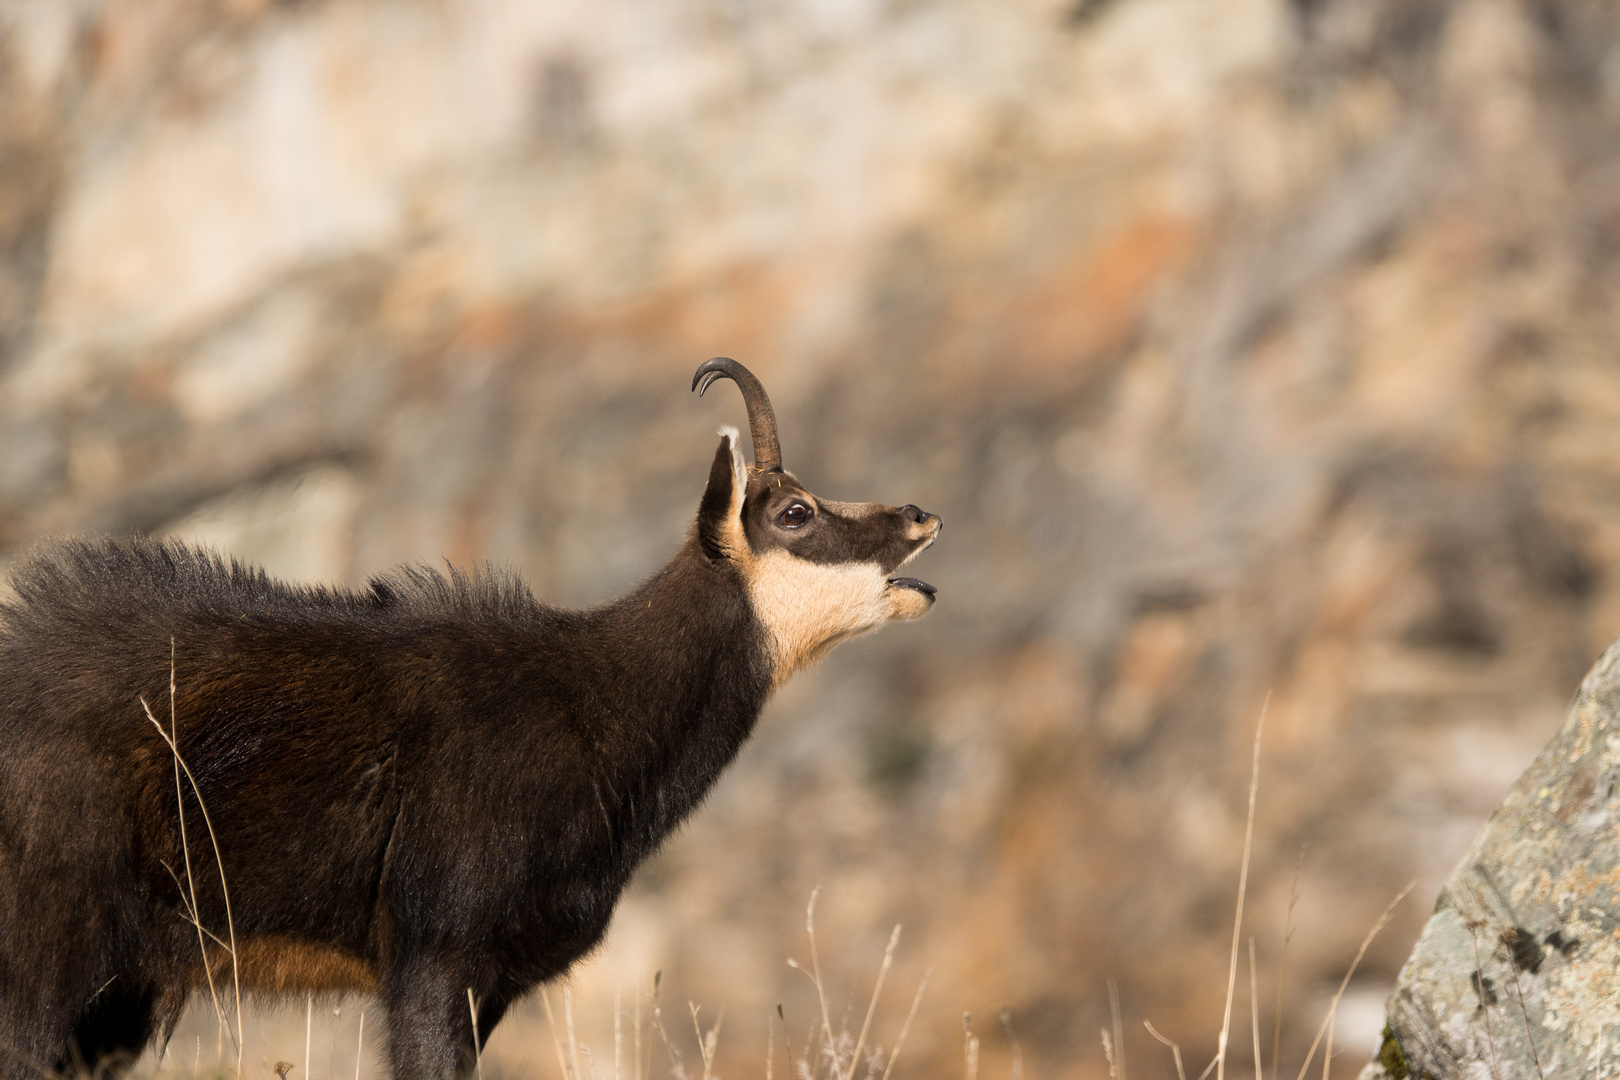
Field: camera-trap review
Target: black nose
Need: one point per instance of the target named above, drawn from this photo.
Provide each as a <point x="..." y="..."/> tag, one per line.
<point x="911" y="513"/>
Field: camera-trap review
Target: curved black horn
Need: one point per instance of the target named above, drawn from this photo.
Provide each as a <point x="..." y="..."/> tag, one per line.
<point x="761" y="420"/>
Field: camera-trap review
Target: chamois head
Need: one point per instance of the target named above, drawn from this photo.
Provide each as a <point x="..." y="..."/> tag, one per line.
<point x="817" y="572"/>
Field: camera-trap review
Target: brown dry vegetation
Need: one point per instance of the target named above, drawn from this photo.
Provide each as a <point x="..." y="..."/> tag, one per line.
<point x="1267" y="348"/>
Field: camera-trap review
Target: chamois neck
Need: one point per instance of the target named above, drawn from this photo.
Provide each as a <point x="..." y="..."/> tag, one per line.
<point x="684" y="654"/>
<point x="678" y="676"/>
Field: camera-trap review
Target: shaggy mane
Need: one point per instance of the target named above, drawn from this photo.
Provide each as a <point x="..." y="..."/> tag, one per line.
<point x="78" y="576"/>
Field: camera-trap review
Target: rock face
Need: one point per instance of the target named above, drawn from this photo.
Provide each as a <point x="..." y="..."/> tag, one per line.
<point x="1518" y="972"/>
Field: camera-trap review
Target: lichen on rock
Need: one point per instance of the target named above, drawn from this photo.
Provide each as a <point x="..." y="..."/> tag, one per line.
<point x="1518" y="971"/>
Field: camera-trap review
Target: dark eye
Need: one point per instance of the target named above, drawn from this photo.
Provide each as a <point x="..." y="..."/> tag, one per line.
<point x="793" y="516"/>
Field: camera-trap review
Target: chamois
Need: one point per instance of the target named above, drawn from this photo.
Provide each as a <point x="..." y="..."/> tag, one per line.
<point x="430" y="786"/>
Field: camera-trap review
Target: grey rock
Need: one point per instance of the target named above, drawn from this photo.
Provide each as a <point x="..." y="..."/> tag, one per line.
<point x="1517" y="973"/>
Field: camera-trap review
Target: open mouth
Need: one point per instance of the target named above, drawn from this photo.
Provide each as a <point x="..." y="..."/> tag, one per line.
<point x="912" y="583"/>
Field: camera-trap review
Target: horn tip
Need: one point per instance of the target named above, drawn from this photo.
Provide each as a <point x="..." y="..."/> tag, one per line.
<point x="712" y="369"/>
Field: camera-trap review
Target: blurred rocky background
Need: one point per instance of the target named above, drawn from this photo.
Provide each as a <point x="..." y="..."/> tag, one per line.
<point x="1246" y="347"/>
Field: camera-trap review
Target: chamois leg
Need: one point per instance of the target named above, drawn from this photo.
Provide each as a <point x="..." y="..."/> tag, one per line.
<point x="44" y="993"/>
<point x="35" y="1027"/>
<point x="430" y="1034"/>
<point x="19" y="1064"/>
<point x="27" y="1051"/>
<point x="115" y="1028"/>
<point x="489" y="1014"/>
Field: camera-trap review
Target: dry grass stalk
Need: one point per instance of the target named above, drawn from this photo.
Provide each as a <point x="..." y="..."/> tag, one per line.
<point x="331" y="1046"/>
<point x="1282" y="964"/>
<point x="787" y="1040"/>
<point x="676" y="1060"/>
<point x="638" y="1074"/>
<point x="190" y="884"/>
<point x="970" y="1049"/>
<point x="1181" y="1073"/>
<point x="309" y="1024"/>
<point x="866" y="1025"/>
<point x="478" y="1051"/>
<point x="1333" y="1006"/>
<point x="906" y="1027"/>
<point x="1327" y="1048"/>
<point x="1243" y="889"/>
<point x="568" y="1022"/>
<point x="1119" y="1028"/>
<point x="172" y="738"/>
<point x="838" y="1057"/>
<point x="1017" y="1051"/>
<point x="707" y="1040"/>
<point x="556" y="1041"/>
<point x="1254" y="1013"/>
<point x="359" y="1045"/>
<point x="828" y="1045"/>
<point x="1108" y="1052"/>
<point x="815" y="966"/>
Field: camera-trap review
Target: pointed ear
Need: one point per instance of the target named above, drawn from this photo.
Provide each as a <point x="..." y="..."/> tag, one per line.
<point x="719" y="524"/>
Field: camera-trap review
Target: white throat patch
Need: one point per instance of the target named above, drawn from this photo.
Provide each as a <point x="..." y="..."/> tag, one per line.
<point x="807" y="607"/>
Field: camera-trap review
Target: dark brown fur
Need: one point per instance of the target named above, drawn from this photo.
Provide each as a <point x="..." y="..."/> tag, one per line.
<point x="433" y="785"/>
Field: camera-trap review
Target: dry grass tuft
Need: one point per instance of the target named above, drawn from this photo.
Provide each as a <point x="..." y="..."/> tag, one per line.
<point x="1218" y="1064"/>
